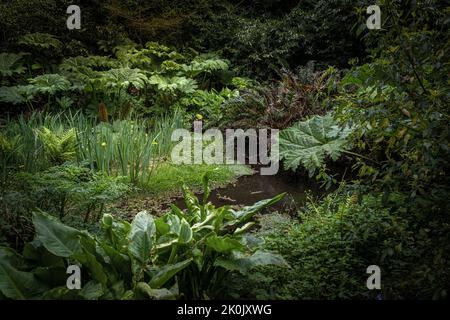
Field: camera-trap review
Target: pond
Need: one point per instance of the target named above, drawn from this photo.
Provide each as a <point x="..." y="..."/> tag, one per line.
<point x="250" y="189"/>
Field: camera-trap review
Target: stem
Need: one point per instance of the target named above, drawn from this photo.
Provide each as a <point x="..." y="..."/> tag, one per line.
<point x="361" y="156"/>
<point x="172" y="254"/>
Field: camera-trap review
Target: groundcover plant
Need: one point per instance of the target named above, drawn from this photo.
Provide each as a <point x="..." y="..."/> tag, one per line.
<point x="204" y="150"/>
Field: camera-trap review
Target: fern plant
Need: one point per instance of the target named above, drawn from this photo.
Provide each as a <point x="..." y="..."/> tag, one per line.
<point x="59" y="147"/>
<point x="307" y="143"/>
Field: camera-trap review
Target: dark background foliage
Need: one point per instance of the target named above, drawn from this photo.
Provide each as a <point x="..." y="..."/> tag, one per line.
<point x="258" y="36"/>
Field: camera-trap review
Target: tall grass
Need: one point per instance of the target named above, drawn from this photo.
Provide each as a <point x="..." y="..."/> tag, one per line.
<point x="131" y="148"/>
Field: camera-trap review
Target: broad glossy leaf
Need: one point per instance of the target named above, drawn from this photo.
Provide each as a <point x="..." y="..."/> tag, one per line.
<point x="52" y="276"/>
<point x="185" y="232"/>
<point x="244" y="264"/>
<point x="156" y="294"/>
<point x="59" y="239"/>
<point x="12" y="257"/>
<point x="248" y="212"/>
<point x="161" y="226"/>
<point x="92" y="290"/>
<point x="164" y="274"/>
<point x="141" y="235"/>
<point x="38" y="253"/>
<point x="223" y="244"/>
<point x="18" y="285"/>
<point x="89" y="260"/>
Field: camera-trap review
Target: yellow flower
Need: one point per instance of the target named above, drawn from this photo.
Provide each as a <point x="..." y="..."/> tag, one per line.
<point x="199" y="116"/>
<point x="103" y="144"/>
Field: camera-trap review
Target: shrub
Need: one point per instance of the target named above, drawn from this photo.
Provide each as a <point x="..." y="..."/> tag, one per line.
<point x="68" y="191"/>
<point x="281" y="103"/>
<point x="331" y="247"/>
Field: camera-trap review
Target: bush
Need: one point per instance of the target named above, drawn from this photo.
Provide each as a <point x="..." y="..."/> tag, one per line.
<point x="67" y="191"/>
<point x="331" y="247"/>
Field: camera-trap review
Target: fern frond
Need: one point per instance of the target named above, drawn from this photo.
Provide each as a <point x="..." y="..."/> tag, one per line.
<point x="59" y="147"/>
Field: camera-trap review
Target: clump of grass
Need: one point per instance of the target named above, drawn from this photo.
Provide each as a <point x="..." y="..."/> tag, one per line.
<point x="168" y="177"/>
<point x="132" y="148"/>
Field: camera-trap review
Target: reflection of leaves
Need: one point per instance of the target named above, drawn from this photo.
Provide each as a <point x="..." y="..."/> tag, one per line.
<point x="308" y="143"/>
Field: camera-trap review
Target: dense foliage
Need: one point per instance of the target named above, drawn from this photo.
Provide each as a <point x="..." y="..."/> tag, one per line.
<point x="138" y="260"/>
<point x="86" y="123"/>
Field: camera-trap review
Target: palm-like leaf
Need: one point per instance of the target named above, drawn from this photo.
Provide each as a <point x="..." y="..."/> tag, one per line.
<point x="11" y="95"/>
<point x="50" y="83"/>
<point x="181" y="84"/>
<point x="307" y="143"/>
<point x="122" y="78"/>
<point x="10" y="64"/>
<point x="40" y="40"/>
<point x="208" y="65"/>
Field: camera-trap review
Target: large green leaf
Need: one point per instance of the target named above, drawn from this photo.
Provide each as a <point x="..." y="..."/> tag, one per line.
<point x="248" y="212"/>
<point x="10" y="64"/>
<point x="90" y="261"/>
<point x="92" y="290"/>
<point x="165" y="273"/>
<point x="141" y="235"/>
<point x="185" y="235"/>
<point x="307" y="143"/>
<point x="157" y="294"/>
<point x="12" y="257"/>
<point x="244" y="264"/>
<point x="40" y="40"/>
<point x="182" y="84"/>
<point x="50" y="83"/>
<point x="16" y="284"/>
<point x="11" y="95"/>
<point x="122" y="78"/>
<point x="37" y="253"/>
<point x="223" y="244"/>
<point x="61" y="240"/>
